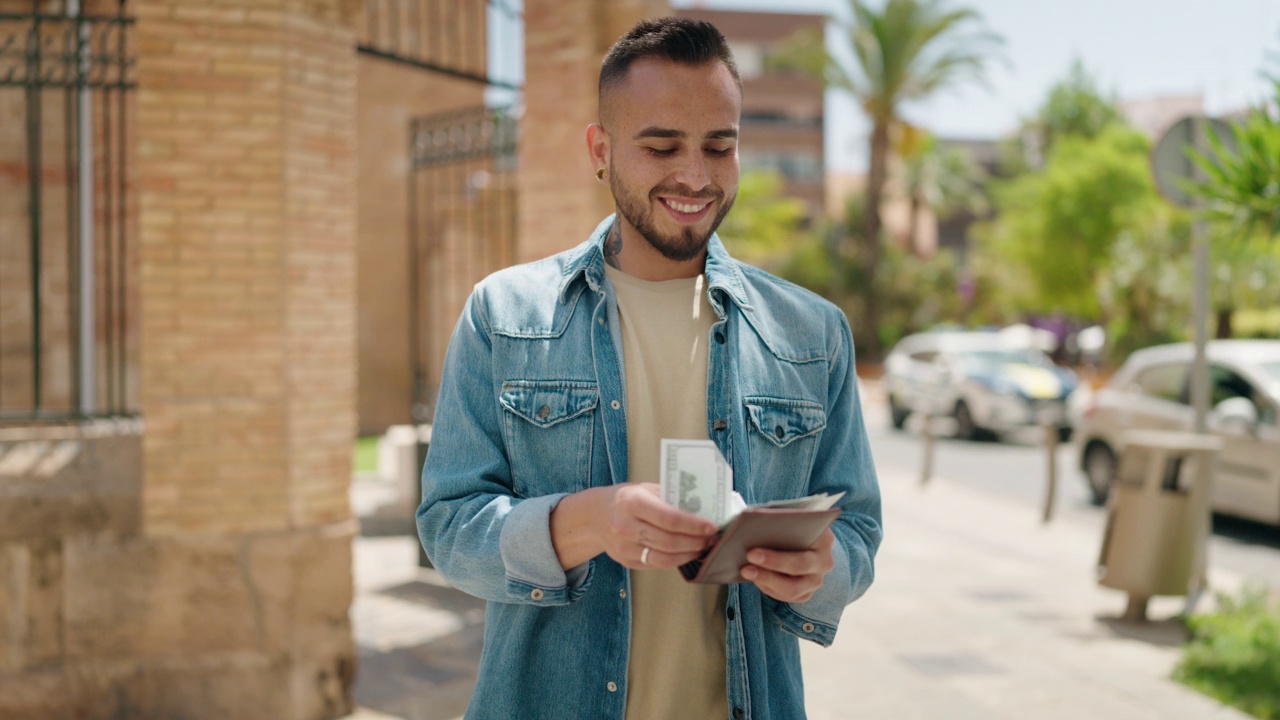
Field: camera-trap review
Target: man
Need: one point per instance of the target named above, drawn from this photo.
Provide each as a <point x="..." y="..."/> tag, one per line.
<point x="563" y="376"/>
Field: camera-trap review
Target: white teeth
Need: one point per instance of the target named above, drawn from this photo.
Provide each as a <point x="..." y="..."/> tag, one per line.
<point x="690" y="209"/>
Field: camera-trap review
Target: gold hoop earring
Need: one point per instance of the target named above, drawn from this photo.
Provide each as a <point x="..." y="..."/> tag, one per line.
<point x="600" y="174"/>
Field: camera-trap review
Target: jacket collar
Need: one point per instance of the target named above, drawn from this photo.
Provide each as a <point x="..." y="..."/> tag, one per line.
<point x="587" y="261"/>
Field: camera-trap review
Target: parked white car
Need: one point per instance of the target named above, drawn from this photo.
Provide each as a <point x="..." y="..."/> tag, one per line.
<point x="1151" y="391"/>
<point x="990" y="382"/>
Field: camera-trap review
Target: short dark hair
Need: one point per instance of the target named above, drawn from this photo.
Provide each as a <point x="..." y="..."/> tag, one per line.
<point x="681" y="40"/>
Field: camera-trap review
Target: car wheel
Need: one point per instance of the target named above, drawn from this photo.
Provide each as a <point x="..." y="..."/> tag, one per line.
<point x="897" y="414"/>
<point x="1099" y="470"/>
<point x="965" y="427"/>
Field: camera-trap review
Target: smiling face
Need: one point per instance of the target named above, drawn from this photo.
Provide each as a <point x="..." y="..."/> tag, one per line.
<point x="670" y="143"/>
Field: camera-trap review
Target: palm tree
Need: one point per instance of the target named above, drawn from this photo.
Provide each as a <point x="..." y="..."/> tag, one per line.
<point x="905" y="51"/>
<point x="1242" y="174"/>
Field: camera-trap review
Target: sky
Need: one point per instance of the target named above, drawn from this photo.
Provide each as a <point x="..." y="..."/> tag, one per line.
<point x="1136" y="49"/>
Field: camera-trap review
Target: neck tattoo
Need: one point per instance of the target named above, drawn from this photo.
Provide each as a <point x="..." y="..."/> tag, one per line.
<point x="613" y="246"/>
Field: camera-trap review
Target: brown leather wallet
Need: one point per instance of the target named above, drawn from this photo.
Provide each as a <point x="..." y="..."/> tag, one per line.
<point x="773" y="528"/>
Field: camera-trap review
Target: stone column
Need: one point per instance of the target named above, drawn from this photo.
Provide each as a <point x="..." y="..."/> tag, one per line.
<point x="240" y="582"/>
<point x="560" y="199"/>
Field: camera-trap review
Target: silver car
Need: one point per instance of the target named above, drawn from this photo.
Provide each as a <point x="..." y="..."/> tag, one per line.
<point x="988" y="382"/>
<point x="1151" y="391"/>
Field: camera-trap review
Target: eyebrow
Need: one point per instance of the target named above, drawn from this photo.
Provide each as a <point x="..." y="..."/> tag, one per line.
<point x="659" y="132"/>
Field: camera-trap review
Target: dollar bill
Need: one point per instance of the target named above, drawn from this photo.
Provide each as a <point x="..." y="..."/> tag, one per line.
<point x="696" y="478"/>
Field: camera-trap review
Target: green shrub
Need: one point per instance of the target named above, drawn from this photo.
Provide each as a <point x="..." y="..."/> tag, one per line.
<point x="1234" y="655"/>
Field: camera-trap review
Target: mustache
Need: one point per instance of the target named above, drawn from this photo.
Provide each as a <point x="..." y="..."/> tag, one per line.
<point x="684" y="191"/>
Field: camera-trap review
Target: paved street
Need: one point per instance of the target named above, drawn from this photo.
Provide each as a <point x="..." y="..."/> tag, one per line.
<point x="1016" y="469"/>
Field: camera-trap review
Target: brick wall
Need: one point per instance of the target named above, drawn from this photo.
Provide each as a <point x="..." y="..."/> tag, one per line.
<point x="246" y="167"/>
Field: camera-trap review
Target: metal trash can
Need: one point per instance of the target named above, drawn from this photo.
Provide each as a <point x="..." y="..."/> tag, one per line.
<point x="1157" y="516"/>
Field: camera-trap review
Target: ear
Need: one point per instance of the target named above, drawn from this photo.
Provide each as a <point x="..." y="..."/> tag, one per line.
<point x="597" y="145"/>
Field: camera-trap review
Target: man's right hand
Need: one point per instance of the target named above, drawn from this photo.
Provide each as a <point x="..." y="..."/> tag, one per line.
<point x="622" y="520"/>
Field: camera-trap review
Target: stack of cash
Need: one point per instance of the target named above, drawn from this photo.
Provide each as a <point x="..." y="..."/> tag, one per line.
<point x="697" y="479"/>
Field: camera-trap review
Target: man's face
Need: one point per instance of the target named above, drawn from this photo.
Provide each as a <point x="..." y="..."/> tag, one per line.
<point x="673" y="152"/>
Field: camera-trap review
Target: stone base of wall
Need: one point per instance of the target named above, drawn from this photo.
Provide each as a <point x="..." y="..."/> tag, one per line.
<point x="100" y="621"/>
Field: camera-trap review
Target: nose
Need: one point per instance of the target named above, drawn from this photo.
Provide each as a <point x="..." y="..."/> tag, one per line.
<point x="693" y="172"/>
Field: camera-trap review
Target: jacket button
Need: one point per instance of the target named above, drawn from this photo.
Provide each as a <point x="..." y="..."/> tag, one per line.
<point x="601" y="319"/>
<point x="739" y="713"/>
<point x="729" y="613"/>
<point x="719" y="337"/>
<point x="778" y="432"/>
<point x="537" y="594"/>
<point x="615" y="404"/>
<point x="807" y="627"/>
<point x="544" y="411"/>
<point x="720" y="424"/>
<point x="613" y="686"/>
<point x="622" y="594"/>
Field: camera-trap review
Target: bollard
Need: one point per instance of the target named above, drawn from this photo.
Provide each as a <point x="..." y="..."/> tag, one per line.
<point x="926" y="469"/>
<point x="1051" y="470"/>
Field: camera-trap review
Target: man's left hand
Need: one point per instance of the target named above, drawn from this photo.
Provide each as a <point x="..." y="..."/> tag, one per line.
<point x="791" y="576"/>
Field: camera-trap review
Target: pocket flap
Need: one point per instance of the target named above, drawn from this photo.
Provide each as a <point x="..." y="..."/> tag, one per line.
<point x="783" y="421"/>
<point x="545" y="403"/>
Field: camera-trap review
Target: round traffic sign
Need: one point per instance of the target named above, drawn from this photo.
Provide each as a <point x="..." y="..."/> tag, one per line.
<point x="1170" y="164"/>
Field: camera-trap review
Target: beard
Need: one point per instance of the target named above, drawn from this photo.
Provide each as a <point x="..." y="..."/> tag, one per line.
<point x="681" y="246"/>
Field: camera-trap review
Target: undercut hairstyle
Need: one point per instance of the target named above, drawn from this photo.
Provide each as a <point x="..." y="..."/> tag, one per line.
<point x="680" y="40"/>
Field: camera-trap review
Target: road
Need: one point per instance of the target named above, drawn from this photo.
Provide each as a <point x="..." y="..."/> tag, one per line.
<point x="1016" y="469"/>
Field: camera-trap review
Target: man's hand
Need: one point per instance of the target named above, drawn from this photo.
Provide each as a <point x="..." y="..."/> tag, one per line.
<point x="791" y="576"/>
<point x="623" y="520"/>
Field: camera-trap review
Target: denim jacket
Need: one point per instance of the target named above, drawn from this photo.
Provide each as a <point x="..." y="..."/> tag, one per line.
<point x="532" y="407"/>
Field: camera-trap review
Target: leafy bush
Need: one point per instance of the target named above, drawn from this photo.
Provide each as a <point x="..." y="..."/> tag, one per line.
<point x="1234" y="656"/>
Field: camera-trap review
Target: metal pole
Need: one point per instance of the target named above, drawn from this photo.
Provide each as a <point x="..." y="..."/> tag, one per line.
<point x="84" y="127"/>
<point x="35" y="171"/>
<point x="926" y="468"/>
<point x="1200" y="305"/>
<point x="1203" y="477"/>
<point x="1051" y="469"/>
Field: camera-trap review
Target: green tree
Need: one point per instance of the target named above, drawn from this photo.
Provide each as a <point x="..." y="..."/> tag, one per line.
<point x="1059" y="225"/>
<point x="764" y="225"/>
<point x="1074" y="107"/>
<point x="1089" y="236"/>
<point x="1143" y="286"/>
<point x="906" y="50"/>
<point x="1245" y="273"/>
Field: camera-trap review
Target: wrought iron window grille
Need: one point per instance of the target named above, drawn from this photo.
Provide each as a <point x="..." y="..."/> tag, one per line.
<point x="67" y="347"/>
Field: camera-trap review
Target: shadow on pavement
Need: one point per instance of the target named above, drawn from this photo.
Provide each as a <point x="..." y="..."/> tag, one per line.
<point x="431" y="680"/>
<point x="1170" y="632"/>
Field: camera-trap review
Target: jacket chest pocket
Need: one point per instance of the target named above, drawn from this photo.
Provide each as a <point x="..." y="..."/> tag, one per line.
<point x="782" y="438"/>
<point x="547" y="426"/>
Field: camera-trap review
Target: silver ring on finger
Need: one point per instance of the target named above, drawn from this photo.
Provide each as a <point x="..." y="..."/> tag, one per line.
<point x="644" y="555"/>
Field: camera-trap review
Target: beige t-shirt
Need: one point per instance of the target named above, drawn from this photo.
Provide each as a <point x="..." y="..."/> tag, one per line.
<point x="677" y="664"/>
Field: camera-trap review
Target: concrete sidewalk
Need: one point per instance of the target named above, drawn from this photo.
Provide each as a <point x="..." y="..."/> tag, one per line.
<point x="978" y="611"/>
